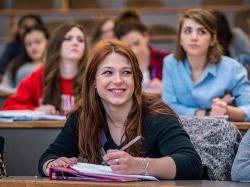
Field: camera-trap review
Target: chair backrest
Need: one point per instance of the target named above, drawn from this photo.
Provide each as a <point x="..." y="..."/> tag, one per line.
<point x="216" y="141"/>
<point x="144" y="3"/>
<point x="27" y="4"/>
<point x="221" y="2"/>
<point x="88" y="24"/>
<point x="160" y="29"/>
<point x="76" y="4"/>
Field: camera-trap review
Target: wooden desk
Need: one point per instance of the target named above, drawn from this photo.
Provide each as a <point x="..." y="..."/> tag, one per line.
<point x="242" y="126"/>
<point x="44" y="182"/>
<point x="31" y="124"/>
<point x="26" y="141"/>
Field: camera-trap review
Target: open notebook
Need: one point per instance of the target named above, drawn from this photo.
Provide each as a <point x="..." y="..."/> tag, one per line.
<point x="93" y="172"/>
<point x="27" y="115"/>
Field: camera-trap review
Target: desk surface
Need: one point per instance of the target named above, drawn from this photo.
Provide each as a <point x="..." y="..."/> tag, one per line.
<point x="44" y="182"/>
<point x="32" y="124"/>
<point x="58" y="124"/>
<point x="242" y="125"/>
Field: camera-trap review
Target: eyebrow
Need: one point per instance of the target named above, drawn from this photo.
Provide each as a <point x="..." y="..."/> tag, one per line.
<point x="110" y="67"/>
<point x="67" y="35"/>
<point x="200" y="27"/>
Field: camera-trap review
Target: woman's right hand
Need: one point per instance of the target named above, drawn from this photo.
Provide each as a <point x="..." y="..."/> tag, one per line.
<point x="47" y="109"/>
<point x="219" y="107"/>
<point x="61" y="162"/>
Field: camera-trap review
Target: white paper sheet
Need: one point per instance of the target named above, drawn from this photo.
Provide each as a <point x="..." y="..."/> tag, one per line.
<point x="105" y="170"/>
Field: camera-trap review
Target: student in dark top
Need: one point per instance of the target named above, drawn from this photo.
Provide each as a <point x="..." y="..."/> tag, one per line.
<point x="104" y="30"/>
<point x="14" y="48"/>
<point x="113" y="111"/>
<point x="130" y="29"/>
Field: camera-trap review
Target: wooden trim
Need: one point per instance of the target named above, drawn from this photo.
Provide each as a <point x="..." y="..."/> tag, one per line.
<point x="97" y="11"/>
<point x="45" y="182"/>
<point x="32" y="124"/>
<point x="163" y="38"/>
<point x="59" y="124"/>
<point x="64" y="4"/>
<point x="242" y="125"/>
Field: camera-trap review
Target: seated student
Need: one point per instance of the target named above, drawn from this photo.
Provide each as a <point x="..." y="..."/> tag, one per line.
<point x="14" y="48"/>
<point x="35" y="41"/>
<point x="234" y="41"/>
<point x="134" y="33"/>
<point x="104" y="30"/>
<point x="241" y="166"/>
<point x="112" y="95"/>
<point x="53" y="87"/>
<point x="197" y="80"/>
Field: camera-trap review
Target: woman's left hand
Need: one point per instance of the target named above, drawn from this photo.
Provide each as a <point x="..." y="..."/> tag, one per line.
<point x="123" y="163"/>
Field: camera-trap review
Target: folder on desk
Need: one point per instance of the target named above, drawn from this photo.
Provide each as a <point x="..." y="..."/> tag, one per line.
<point x="93" y="172"/>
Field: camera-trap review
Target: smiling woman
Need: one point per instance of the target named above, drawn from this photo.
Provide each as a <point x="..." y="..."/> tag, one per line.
<point x="114" y="81"/>
<point x="112" y="95"/>
<point x="200" y="67"/>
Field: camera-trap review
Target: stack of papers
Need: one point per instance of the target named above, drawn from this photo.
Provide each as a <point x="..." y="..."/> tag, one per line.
<point x="27" y="115"/>
<point x="93" y="172"/>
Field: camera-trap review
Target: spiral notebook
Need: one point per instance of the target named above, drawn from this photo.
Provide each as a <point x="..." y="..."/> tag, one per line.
<point x="93" y="172"/>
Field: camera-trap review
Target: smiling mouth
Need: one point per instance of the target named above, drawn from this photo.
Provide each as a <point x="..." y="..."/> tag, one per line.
<point x="117" y="90"/>
<point x="194" y="45"/>
<point x="75" y="50"/>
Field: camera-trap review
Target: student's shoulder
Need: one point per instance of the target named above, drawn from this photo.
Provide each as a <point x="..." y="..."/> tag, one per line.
<point x="229" y="63"/>
<point x="170" y="60"/>
<point x="161" y="121"/>
<point x="37" y="73"/>
<point x="35" y="78"/>
<point x="158" y="52"/>
<point x="72" y="120"/>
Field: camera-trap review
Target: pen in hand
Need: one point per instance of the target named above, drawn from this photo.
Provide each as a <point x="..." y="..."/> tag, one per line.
<point x="123" y="148"/>
<point x="103" y="152"/>
<point x="130" y="143"/>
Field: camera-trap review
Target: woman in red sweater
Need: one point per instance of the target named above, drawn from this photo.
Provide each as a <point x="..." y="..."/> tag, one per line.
<point x="55" y="86"/>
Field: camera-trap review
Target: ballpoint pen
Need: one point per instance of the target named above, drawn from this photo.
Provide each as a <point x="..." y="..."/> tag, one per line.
<point x="103" y="152"/>
<point x="130" y="143"/>
<point x="123" y="148"/>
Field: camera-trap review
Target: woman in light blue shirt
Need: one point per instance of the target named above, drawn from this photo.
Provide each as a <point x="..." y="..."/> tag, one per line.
<point x="197" y="79"/>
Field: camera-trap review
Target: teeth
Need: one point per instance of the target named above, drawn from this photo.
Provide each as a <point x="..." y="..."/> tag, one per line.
<point x="117" y="90"/>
